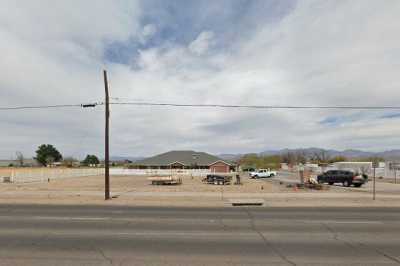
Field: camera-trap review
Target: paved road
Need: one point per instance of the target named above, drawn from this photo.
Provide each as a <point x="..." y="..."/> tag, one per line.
<point x="84" y="235"/>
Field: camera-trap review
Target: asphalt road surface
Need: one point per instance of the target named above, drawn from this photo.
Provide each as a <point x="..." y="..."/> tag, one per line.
<point x="87" y="235"/>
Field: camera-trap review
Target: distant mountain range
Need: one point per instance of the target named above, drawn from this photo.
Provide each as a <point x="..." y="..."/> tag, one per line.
<point x="350" y="153"/>
<point x="124" y="158"/>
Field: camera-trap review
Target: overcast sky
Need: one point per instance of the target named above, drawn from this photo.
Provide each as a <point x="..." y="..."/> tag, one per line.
<point x="267" y="52"/>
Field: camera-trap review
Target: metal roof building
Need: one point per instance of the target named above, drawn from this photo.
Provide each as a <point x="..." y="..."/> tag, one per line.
<point x="185" y="160"/>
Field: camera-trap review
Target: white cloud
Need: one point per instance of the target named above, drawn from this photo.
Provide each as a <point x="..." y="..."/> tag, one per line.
<point x="148" y="31"/>
<point x="52" y="53"/>
<point x="53" y="25"/>
<point x="323" y="52"/>
<point x="202" y="43"/>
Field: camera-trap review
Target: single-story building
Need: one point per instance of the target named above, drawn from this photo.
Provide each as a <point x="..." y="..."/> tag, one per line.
<point x="285" y="166"/>
<point x="185" y="160"/>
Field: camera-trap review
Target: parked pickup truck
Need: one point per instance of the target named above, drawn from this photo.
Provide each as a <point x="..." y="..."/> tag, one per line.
<point x="262" y="173"/>
<point x="347" y="178"/>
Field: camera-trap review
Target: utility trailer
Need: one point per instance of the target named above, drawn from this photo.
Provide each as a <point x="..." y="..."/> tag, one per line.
<point x="165" y="180"/>
<point x="218" y="179"/>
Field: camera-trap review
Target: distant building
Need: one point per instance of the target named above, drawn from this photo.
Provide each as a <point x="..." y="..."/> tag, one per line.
<point x="284" y="166"/>
<point x="312" y="167"/>
<point x="185" y="160"/>
<point x="55" y="164"/>
<point x="361" y="167"/>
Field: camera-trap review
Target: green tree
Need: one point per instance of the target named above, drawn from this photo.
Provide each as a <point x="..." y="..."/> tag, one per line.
<point x="46" y="154"/>
<point x="69" y="162"/>
<point x="90" y="160"/>
<point x="254" y="161"/>
<point x="249" y="161"/>
<point x="337" y="158"/>
<point x="369" y="159"/>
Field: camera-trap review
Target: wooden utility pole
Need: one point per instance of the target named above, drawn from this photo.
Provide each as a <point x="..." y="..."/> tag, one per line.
<point x="374" y="188"/>
<point x="107" y="141"/>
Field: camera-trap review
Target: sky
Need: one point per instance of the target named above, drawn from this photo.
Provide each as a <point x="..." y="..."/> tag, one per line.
<point x="248" y="52"/>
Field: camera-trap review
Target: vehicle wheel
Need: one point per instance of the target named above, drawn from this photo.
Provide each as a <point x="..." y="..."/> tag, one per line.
<point x="330" y="183"/>
<point x="357" y="185"/>
<point x="271" y="175"/>
<point x="215" y="182"/>
<point x="256" y="176"/>
<point x="320" y="181"/>
<point x="346" y="183"/>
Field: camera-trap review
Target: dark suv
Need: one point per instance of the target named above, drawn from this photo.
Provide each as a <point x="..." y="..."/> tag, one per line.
<point x="347" y="178"/>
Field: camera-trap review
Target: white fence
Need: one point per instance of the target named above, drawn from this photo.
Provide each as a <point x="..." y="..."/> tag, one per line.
<point x="26" y="175"/>
<point x="391" y="173"/>
<point x="44" y="174"/>
<point x="160" y="172"/>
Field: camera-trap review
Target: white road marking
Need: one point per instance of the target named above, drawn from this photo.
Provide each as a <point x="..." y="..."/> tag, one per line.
<point x="344" y="222"/>
<point x="71" y="218"/>
<point x="116" y="219"/>
<point x="147" y="233"/>
<point x="60" y="218"/>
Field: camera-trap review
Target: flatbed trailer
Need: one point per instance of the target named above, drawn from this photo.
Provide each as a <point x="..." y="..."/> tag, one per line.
<point x="218" y="179"/>
<point x="165" y="180"/>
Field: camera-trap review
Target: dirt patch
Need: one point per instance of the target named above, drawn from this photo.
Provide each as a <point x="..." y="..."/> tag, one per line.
<point x="5" y="172"/>
<point x="137" y="190"/>
<point x="141" y="184"/>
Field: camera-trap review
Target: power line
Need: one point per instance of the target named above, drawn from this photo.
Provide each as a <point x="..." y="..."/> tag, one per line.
<point x="49" y="106"/>
<point x="259" y="106"/>
<point x="166" y="104"/>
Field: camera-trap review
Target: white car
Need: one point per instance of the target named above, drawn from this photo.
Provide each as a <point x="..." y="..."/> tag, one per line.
<point x="262" y="173"/>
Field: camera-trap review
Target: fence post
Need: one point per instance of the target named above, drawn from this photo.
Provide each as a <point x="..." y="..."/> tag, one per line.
<point x="12" y="175"/>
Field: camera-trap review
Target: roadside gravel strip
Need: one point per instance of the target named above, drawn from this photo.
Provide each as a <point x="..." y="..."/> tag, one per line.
<point x="198" y="199"/>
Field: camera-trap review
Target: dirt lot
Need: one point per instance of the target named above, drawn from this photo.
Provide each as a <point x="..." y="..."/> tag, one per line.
<point x="141" y="184"/>
<point x="5" y="171"/>
<point x="89" y="190"/>
<point x="137" y="190"/>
